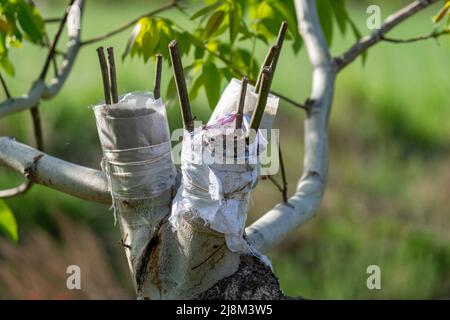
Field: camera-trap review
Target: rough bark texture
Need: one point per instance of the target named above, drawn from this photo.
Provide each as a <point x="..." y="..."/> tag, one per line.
<point x="253" y="281"/>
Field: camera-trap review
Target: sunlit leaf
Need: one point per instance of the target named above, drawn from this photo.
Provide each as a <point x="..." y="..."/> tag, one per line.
<point x="8" y="224"/>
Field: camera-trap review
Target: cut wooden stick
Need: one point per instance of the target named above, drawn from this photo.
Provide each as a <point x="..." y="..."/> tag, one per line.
<point x="105" y="77"/>
<point x="279" y="44"/>
<point x="240" y="110"/>
<point x="273" y="54"/>
<point x="262" y="98"/>
<point x="112" y="75"/>
<point x="267" y="62"/>
<point x="157" y="88"/>
<point x="181" y="86"/>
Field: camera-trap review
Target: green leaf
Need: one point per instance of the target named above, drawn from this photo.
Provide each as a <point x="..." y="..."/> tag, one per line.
<point x="340" y="13"/>
<point x="211" y="81"/>
<point x="132" y="46"/>
<point x="31" y="21"/>
<point x="199" y="52"/>
<point x="214" y="23"/>
<point x="235" y="21"/>
<point x="8" y="224"/>
<point x="326" y="19"/>
<point x="195" y="87"/>
<point x="7" y="66"/>
<point x="358" y="36"/>
<point x="204" y="11"/>
<point x="171" y="92"/>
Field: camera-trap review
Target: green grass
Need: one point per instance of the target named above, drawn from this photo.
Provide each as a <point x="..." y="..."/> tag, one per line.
<point x="387" y="197"/>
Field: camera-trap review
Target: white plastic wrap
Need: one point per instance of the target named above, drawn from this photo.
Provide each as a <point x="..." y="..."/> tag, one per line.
<point x="220" y="191"/>
<point x="135" y="140"/>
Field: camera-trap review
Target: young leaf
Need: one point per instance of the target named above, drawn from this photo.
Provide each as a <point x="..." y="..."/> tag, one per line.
<point x="358" y="36"/>
<point x="195" y="87"/>
<point x="204" y="11"/>
<point x="211" y="81"/>
<point x="31" y="21"/>
<point x="214" y="23"/>
<point x="340" y="13"/>
<point x="326" y="19"/>
<point x="7" y="66"/>
<point x="8" y="224"/>
<point x="235" y="21"/>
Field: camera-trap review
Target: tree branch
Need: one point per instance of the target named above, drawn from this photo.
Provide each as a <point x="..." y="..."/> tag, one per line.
<point x="367" y="42"/>
<point x="5" y="87"/>
<point x="40" y="90"/>
<point x="283" y="218"/>
<point x="168" y="6"/>
<point x="78" y="181"/>
<point x="52" y="48"/>
<point x="433" y="35"/>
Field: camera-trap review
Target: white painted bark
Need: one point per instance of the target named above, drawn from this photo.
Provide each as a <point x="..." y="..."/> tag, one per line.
<point x="164" y="263"/>
<point x="278" y="222"/>
<point x="78" y="181"/>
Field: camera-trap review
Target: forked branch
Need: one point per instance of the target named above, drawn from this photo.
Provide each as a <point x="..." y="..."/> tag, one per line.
<point x="285" y="217"/>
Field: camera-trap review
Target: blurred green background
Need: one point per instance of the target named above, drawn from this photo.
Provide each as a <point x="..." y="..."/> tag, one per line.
<point x="387" y="199"/>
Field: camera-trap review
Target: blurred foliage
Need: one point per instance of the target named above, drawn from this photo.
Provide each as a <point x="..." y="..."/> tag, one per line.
<point x="221" y="26"/>
<point x="19" y="19"/>
<point x="8" y="224"/>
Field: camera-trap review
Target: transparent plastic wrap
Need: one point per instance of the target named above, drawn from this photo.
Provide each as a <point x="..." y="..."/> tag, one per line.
<point x="217" y="184"/>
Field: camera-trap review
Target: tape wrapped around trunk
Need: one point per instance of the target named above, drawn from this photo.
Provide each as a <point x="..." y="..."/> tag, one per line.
<point x="217" y="186"/>
<point x="136" y="147"/>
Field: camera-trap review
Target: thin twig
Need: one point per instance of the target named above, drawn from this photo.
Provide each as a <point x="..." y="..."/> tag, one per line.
<point x="105" y="77"/>
<point x="262" y="99"/>
<point x="5" y="87"/>
<point x="289" y="100"/>
<point x="52" y="20"/>
<point x="241" y="103"/>
<point x="130" y="24"/>
<point x="433" y="35"/>
<point x="275" y="183"/>
<point x="280" y="40"/>
<point x="367" y="42"/>
<point x="158" y="72"/>
<point x="181" y="86"/>
<point x="55" y="65"/>
<point x="283" y="175"/>
<point x="52" y="49"/>
<point x="267" y="62"/>
<point x="112" y="75"/>
<point x="37" y="125"/>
